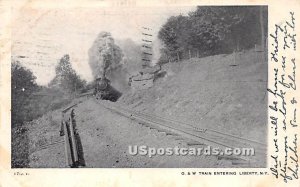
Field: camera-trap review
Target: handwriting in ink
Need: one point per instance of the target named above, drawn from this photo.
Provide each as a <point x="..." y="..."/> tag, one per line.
<point x="275" y="43"/>
<point x="293" y="77"/>
<point x="294" y="158"/>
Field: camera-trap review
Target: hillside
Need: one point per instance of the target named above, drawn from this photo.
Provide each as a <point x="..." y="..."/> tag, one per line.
<point x="222" y="92"/>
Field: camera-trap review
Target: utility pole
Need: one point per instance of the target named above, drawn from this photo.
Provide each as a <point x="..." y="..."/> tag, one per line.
<point x="147" y="47"/>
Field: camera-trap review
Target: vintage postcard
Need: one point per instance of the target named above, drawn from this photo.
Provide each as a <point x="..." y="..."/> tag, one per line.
<point x="155" y="93"/>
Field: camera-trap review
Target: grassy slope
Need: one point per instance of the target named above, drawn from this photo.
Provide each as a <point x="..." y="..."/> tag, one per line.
<point x="218" y="92"/>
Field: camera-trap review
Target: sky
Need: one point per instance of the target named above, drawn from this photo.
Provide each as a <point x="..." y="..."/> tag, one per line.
<point x="41" y="36"/>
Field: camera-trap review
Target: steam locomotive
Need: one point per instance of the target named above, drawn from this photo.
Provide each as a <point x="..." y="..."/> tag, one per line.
<point x="104" y="91"/>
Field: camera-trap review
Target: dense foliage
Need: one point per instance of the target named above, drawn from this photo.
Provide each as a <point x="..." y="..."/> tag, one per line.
<point x="30" y="101"/>
<point x="23" y="85"/>
<point x="212" y="30"/>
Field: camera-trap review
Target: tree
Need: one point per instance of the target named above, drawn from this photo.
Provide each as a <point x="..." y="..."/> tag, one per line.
<point x="66" y="78"/>
<point x="213" y="30"/>
<point x="173" y="34"/>
<point x="23" y="85"/>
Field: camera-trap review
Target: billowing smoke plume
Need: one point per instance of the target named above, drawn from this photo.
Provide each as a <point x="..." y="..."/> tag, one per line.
<point x="104" y="55"/>
<point x="156" y="46"/>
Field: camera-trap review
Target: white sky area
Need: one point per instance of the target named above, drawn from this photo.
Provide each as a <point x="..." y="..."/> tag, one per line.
<point x="43" y="36"/>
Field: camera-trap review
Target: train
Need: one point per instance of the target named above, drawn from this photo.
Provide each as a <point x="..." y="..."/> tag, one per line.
<point x="103" y="90"/>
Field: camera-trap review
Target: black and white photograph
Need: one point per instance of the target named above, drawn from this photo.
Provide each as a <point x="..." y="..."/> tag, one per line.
<point x="140" y="87"/>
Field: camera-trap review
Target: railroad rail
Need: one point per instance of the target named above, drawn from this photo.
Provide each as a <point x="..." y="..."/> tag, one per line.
<point x="69" y="138"/>
<point x="68" y="130"/>
<point x="194" y="135"/>
<point x="58" y="140"/>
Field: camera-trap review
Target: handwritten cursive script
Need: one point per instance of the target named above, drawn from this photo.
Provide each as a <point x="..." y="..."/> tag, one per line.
<point x="283" y="107"/>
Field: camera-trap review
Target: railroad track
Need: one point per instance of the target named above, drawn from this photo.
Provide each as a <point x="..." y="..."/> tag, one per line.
<point x="193" y="135"/>
<point x="69" y="138"/>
